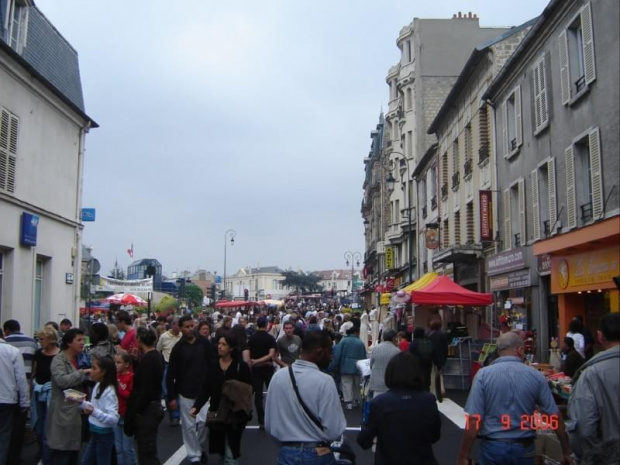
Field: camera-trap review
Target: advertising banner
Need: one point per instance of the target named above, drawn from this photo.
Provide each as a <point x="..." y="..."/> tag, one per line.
<point x="389" y="258"/>
<point x="131" y="286"/>
<point x="514" y="280"/>
<point x="594" y="269"/>
<point x="486" y="215"/>
<point x="506" y="261"/>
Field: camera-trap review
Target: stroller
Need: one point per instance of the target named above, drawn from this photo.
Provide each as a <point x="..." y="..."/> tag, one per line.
<point x="343" y="452"/>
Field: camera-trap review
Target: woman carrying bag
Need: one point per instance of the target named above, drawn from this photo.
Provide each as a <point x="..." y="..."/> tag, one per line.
<point x="229" y="388"/>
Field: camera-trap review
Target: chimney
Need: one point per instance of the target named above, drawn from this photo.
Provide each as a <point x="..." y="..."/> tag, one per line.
<point x="460" y="16"/>
<point x="469" y="14"/>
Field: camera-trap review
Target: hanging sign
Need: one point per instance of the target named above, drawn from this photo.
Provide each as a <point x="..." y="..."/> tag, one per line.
<point x="486" y="215"/>
<point x="389" y="258"/>
<point x="432" y="236"/>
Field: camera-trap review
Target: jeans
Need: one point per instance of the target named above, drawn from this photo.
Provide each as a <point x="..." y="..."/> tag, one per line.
<point x="7" y="412"/>
<point x="125" y="453"/>
<point x="227" y="458"/>
<point x="64" y="457"/>
<point x="304" y="456"/>
<point x="147" y="424"/>
<point x="260" y="376"/>
<point x="172" y="414"/>
<point x="17" y="436"/>
<point x="194" y="432"/>
<point x="39" y="429"/>
<point x="99" y="449"/>
<point x="506" y="453"/>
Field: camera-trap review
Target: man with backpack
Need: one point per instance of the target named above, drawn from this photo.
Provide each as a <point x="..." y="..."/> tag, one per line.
<point x="422" y="348"/>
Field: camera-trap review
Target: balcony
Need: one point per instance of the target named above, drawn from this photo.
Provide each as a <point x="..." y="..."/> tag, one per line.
<point x="546" y="228"/>
<point x="468" y="167"/>
<point x="434" y="203"/>
<point x="456" y="180"/>
<point x="517" y="242"/>
<point x="424" y="212"/>
<point x="483" y="154"/>
<point x="586" y="212"/>
<point x="444" y="191"/>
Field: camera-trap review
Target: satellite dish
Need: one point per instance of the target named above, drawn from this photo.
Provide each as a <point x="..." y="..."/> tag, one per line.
<point x="93" y="266"/>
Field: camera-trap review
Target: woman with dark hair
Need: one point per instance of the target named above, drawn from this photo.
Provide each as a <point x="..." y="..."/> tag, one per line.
<point x="231" y="374"/>
<point x="63" y="426"/>
<point x="405" y="419"/>
<point x="102" y="411"/>
<point x="242" y="342"/>
<point x="100" y="341"/>
<point x="575" y="329"/>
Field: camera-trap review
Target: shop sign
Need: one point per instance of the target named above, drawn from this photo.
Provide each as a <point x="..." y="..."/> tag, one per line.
<point x="506" y="261"/>
<point x="385" y="299"/>
<point x="486" y="215"/>
<point x="544" y="264"/>
<point x="30" y="223"/>
<point x="514" y="280"/>
<point x="389" y="258"/>
<point x="585" y="270"/>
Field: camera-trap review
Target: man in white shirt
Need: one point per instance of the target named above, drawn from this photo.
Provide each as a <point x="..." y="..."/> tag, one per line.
<point x="306" y="433"/>
<point x="14" y="395"/>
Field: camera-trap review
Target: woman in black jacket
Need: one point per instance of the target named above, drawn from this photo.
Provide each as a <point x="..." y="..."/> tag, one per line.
<point x="405" y="419"/>
<point x="225" y="439"/>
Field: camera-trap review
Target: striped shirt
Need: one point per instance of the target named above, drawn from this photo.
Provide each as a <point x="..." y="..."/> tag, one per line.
<point x="27" y="346"/>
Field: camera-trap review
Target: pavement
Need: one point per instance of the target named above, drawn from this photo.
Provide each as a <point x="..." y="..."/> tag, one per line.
<point x="259" y="448"/>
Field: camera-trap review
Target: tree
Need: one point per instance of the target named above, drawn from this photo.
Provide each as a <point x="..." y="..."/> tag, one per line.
<point x="117" y="272"/>
<point x="167" y="303"/>
<point x="302" y="282"/>
<point x="193" y="296"/>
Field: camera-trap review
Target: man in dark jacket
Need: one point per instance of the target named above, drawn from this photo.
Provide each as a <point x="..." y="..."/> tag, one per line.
<point x="571" y="359"/>
<point x="422" y="348"/>
<point x="187" y="374"/>
<point x="440" y="355"/>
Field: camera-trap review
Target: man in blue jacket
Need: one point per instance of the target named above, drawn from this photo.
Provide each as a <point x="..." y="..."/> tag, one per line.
<point x="346" y="355"/>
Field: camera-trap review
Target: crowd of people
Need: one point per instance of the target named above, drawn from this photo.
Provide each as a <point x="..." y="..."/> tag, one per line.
<point x="209" y="373"/>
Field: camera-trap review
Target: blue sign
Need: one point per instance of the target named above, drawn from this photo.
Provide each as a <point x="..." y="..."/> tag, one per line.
<point x="88" y="214"/>
<point x="218" y="280"/>
<point x="29" y="229"/>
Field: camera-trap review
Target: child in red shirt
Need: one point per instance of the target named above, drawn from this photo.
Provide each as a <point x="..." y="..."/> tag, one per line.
<point x="125" y="453"/>
<point x="403" y="342"/>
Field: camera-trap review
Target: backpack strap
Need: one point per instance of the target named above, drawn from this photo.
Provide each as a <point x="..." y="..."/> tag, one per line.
<point x="312" y="417"/>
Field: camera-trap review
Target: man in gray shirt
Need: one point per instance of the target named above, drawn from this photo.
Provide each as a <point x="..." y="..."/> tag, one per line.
<point x="379" y="359"/>
<point x="306" y="436"/>
<point x="289" y="346"/>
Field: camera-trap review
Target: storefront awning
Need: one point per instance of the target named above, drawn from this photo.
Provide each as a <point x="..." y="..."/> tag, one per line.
<point x="444" y="291"/>
<point x="421" y="283"/>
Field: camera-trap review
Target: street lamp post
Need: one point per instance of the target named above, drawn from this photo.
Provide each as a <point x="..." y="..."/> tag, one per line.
<point x="352" y="257"/>
<point x="231" y="233"/>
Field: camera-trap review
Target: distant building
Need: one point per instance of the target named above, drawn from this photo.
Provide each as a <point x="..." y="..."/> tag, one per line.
<point x="261" y="283"/>
<point x="339" y="281"/>
<point x="43" y="127"/>
<point x="138" y="270"/>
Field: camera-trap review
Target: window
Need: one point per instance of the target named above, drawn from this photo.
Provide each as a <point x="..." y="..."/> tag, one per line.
<point x="468" y="165"/>
<point x="457" y="228"/>
<point x="408" y="51"/>
<point x="432" y="182"/>
<point x="469" y="211"/>
<point x="483" y="123"/>
<point x="544" y="203"/>
<point x="577" y="63"/>
<point x="9" y="129"/>
<point x="409" y="144"/>
<point x="456" y="178"/>
<point x="541" y="114"/>
<point x="409" y="100"/>
<point x="512" y="129"/>
<point x="446" y="234"/>
<point x="514" y="215"/>
<point x="16" y="24"/>
<point x="584" y="198"/>
<point x="444" y="175"/>
<point x="422" y="199"/>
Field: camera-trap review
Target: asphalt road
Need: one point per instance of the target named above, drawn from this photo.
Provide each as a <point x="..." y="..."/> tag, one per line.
<point x="259" y="448"/>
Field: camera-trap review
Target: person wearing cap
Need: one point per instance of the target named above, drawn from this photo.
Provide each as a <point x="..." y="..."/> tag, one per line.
<point x="500" y="409"/>
<point x="262" y="355"/>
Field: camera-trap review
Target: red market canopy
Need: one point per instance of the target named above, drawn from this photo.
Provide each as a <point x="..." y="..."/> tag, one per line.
<point x="233" y="303"/>
<point x="444" y="291"/>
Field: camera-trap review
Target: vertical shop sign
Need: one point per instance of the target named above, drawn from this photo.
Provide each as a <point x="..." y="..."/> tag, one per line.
<point x="486" y="215"/>
<point x="389" y="258"/>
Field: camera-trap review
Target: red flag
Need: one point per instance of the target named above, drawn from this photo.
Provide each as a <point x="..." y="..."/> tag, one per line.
<point x="130" y="251"/>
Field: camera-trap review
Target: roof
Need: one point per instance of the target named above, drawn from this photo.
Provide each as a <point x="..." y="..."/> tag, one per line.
<point x="52" y="61"/>
<point x="326" y="275"/>
<point x="474" y="59"/>
<point x="145" y="261"/>
<point x="542" y="20"/>
<point x="421" y="166"/>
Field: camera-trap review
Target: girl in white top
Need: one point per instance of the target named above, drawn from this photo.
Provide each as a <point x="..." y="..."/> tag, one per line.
<point x="102" y="411"/>
<point x="574" y="331"/>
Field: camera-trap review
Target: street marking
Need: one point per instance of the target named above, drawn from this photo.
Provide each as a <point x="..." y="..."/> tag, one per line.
<point x="177" y="457"/>
<point x="453" y="411"/>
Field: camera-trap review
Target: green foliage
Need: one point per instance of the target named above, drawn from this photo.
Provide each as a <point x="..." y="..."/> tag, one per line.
<point x="193" y="296"/>
<point x="302" y="282"/>
<point x="167" y="303"/>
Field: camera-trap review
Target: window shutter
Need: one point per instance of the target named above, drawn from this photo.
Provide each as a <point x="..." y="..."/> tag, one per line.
<point x="564" y="71"/>
<point x="553" y="203"/>
<point x="596" y="174"/>
<point x="507" y="224"/>
<point x="535" y="206"/>
<point x="9" y="128"/>
<point x="588" y="43"/>
<point x="542" y="76"/>
<point x="505" y="130"/>
<point x="537" y="103"/>
<point x="571" y="201"/>
<point x="518" y="119"/>
<point x="522" y="228"/>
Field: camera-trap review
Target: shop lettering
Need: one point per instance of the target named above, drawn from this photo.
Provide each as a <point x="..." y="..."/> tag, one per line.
<point x="593" y="267"/>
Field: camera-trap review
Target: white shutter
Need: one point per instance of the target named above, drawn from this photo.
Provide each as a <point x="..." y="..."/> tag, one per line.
<point x="553" y="203"/>
<point x="518" y="120"/>
<point x="542" y="76"/>
<point x="588" y="43"/>
<point x="537" y="109"/>
<point x="9" y="128"/>
<point x="507" y="224"/>
<point x="571" y="201"/>
<point x="596" y="174"/>
<point x="522" y="228"/>
<point x="505" y="130"/>
<point x="535" y="206"/>
<point x="564" y="70"/>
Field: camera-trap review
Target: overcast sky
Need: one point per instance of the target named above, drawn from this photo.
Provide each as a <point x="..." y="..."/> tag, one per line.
<point x="252" y="115"/>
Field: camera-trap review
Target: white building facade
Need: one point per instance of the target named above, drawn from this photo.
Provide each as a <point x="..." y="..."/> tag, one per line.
<point x="42" y="132"/>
